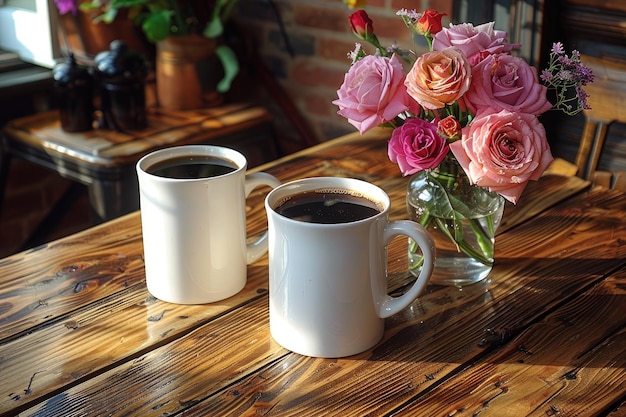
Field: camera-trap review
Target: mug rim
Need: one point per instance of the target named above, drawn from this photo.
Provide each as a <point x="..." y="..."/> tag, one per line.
<point x="223" y="152"/>
<point x="374" y="193"/>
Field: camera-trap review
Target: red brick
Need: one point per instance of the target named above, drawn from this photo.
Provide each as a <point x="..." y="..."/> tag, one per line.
<point x="391" y="27"/>
<point x="313" y="74"/>
<point x="320" y="104"/>
<point x="335" y="50"/>
<point x="327" y="19"/>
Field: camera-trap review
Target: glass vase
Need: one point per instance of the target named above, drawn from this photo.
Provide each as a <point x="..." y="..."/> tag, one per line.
<point x="462" y="219"/>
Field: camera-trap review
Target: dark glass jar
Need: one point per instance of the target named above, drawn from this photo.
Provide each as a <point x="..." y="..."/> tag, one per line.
<point x="74" y="91"/>
<point x="121" y="75"/>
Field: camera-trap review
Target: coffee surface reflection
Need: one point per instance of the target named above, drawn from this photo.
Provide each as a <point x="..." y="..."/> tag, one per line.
<point x="327" y="207"/>
<point x="189" y="167"/>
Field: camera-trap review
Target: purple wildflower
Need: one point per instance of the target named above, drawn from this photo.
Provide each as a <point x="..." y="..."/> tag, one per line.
<point x="565" y="76"/>
<point x="411" y="14"/>
<point x="546" y="76"/>
<point x="557" y="48"/>
<point x="582" y="97"/>
<point x="66" y="6"/>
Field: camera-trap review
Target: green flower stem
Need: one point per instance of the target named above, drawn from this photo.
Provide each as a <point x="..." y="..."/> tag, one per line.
<point x="469" y="251"/>
<point x="483" y="240"/>
<point x="448" y="176"/>
<point x="463" y="246"/>
<point x="444" y="228"/>
<point x="179" y="22"/>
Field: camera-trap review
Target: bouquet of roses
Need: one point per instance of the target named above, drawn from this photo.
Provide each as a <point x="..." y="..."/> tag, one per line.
<point x="467" y="104"/>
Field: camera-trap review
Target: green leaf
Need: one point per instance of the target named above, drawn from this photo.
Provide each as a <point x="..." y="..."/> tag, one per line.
<point x="156" y="26"/>
<point x="231" y="67"/>
<point x="214" y="28"/>
<point x="107" y="17"/>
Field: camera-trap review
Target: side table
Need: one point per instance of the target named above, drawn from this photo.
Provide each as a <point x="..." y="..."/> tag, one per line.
<point x="104" y="160"/>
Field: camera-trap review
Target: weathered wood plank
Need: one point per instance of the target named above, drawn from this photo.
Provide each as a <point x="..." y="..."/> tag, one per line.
<point x="443" y="333"/>
<point x="110" y="331"/>
<point x="543" y="194"/>
<point x="125" y="322"/>
<point x="578" y="351"/>
<point x="449" y="339"/>
<point x="47" y="282"/>
<point x="105" y="147"/>
<point x="201" y="362"/>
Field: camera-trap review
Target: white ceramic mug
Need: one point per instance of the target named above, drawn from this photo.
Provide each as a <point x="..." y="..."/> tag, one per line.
<point x="194" y="229"/>
<point x="328" y="282"/>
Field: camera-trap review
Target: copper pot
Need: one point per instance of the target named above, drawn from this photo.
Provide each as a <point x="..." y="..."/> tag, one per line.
<point x="187" y="72"/>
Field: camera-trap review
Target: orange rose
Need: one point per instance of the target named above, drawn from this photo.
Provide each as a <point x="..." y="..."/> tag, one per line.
<point x="439" y="78"/>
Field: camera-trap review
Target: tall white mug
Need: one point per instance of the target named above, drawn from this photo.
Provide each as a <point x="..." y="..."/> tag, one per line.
<point x="193" y="217"/>
<point x="328" y="272"/>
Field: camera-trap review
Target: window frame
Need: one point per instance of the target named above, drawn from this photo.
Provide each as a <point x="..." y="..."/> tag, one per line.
<point x="31" y="33"/>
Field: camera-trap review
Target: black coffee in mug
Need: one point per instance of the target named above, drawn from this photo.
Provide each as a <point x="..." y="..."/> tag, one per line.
<point x="189" y="167"/>
<point x="328" y="207"/>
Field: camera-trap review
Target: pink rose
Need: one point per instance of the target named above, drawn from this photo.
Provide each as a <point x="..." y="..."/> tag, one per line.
<point x="503" y="151"/>
<point x="506" y="82"/>
<point x="438" y="78"/>
<point x="373" y="92"/>
<point x="416" y="146"/>
<point x="474" y="42"/>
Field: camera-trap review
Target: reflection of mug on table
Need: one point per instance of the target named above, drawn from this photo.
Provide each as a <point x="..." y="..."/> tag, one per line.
<point x="327" y="265"/>
<point x="193" y="216"/>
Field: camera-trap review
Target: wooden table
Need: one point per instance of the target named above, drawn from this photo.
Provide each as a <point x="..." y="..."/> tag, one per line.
<point x="104" y="159"/>
<point x="543" y="336"/>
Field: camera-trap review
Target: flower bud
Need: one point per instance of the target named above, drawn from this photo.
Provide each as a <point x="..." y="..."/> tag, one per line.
<point x="362" y="25"/>
<point x="449" y="128"/>
<point x="429" y="22"/>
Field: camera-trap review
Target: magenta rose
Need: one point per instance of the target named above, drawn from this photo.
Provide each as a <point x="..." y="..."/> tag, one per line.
<point x="474" y="42"/>
<point x="373" y="92"/>
<point x="503" y="151"/>
<point x="506" y="82"/>
<point x="439" y="78"/>
<point x="416" y="146"/>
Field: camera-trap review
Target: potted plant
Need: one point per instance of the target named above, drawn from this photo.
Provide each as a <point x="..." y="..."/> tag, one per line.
<point x="187" y="34"/>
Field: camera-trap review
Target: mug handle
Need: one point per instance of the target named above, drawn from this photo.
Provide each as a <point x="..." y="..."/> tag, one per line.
<point x="388" y="306"/>
<point x="258" y="247"/>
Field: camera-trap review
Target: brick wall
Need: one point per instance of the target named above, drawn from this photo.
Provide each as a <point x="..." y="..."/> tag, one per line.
<point x="321" y="39"/>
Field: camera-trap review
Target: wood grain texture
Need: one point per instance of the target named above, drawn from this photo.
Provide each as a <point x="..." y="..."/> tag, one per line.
<point x="544" y="335"/>
<point x="110" y="148"/>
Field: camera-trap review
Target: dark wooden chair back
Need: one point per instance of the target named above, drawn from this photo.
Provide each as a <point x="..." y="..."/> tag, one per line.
<point x="607" y="98"/>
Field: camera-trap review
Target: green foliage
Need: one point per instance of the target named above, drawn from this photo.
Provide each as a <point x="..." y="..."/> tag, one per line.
<point x="162" y="18"/>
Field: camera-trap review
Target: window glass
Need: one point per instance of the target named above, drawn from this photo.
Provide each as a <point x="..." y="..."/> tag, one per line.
<point x="26" y="28"/>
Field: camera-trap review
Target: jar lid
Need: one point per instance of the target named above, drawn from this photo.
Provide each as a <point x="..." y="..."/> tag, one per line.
<point x="120" y="62"/>
<point x="69" y="71"/>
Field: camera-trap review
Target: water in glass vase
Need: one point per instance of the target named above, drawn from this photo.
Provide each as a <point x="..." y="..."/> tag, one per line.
<point x="453" y="266"/>
<point x="462" y="220"/>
